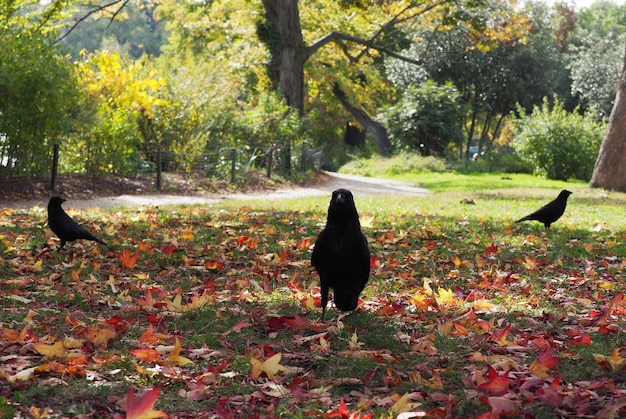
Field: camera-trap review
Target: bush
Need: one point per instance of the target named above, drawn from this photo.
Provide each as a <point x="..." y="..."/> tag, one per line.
<point x="378" y="166"/>
<point x="559" y="144"/>
<point x="426" y="119"/>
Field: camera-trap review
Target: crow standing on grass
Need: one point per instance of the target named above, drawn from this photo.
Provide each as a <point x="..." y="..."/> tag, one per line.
<point x="550" y="212"/>
<point x="341" y="255"/>
<point x="64" y="227"/>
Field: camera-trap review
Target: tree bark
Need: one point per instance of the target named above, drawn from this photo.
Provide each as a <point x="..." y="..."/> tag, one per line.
<point x="380" y="132"/>
<point x="610" y="169"/>
<point x="284" y="39"/>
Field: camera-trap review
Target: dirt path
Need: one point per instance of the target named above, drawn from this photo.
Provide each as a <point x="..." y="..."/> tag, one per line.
<point x="359" y="186"/>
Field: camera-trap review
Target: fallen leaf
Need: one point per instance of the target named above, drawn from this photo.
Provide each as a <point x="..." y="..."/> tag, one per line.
<point x="271" y="367"/>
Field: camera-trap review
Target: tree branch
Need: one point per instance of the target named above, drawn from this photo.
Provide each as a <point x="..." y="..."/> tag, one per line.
<point x="339" y="36"/>
<point x="91" y="12"/>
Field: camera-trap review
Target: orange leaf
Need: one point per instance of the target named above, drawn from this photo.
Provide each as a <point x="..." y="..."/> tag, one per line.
<point x="150" y="337"/>
<point x="100" y="336"/>
<point x="128" y="260"/>
<point x="499" y="336"/>
<point x="146" y="355"/>
<point x="143" y="408"/>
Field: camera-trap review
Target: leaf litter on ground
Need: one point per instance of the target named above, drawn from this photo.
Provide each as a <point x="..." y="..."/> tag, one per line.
<point x="213" y="312"/>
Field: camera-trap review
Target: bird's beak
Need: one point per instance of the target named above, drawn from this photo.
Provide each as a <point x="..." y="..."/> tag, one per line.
<point x="340" y="198"/>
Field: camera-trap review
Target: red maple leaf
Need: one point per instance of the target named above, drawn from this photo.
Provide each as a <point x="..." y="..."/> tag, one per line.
<point x="497" y="385"/>
<point x="343" y="413"/>
<point x="491" y="249"/>
<point x="143" y="408"/>
<point x="374" y="262"/>
<point x="548" y="359"/>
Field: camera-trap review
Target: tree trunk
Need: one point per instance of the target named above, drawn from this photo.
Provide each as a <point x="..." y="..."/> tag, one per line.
<point x="380" y="132"/>
<point x="610" y="169"/>
<point x="283" y="36"/>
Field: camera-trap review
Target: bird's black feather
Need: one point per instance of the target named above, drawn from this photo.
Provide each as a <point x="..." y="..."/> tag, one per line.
<point x="64" y="227"/>
<point x="341" y="254"/>
<point x="550" y="212"/>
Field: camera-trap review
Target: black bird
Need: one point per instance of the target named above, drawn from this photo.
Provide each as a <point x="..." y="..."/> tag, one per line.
<point x="550" y="212"/>
<point x="341" y="255"/>
<point x="64" y="227"/>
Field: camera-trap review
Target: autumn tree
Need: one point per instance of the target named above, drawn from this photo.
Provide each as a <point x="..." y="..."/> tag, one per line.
<point x="349" y="38"/>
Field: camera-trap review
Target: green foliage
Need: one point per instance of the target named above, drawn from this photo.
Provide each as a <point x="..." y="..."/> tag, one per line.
<point x="596" y="54"/>
<point x="135" y="31"/>
<point x="426" y="119"/>
<point x="400" y="164"/>
<point x="39" y="100"/>
<point x="497" y="161"/>
<point x="560" y="144"/>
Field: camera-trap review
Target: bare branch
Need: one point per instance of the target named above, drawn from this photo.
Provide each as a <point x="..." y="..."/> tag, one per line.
<point x="337" y="37"/>
<point x="91" y="12"/>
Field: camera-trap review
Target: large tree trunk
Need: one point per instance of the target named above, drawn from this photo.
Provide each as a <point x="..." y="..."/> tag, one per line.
<point x="289" y="53"/>
<point x="380" y="132"/>
<point x="610" y="169"/>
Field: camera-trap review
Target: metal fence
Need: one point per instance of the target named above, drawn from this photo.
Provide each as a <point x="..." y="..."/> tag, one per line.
<point x="228" y="163"/>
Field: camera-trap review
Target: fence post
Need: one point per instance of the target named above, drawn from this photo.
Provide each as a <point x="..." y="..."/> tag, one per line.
<point x="55" y="166"/>
<point x="159" y="170"/>
<point x="303" y="161"/>
<point x="233" y="165"/>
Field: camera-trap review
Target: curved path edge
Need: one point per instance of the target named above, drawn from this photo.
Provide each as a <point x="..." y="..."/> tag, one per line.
<point x="359" y="185"/>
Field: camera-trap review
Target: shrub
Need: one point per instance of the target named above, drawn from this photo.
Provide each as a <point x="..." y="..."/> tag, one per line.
<point x="559" y="144"/>
<point x="426" y="119"/>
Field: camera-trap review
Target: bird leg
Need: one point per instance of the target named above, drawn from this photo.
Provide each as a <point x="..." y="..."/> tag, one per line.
<point x="324" y="292"/>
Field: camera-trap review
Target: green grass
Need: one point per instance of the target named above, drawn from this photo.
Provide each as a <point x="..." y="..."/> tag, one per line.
<point x="501" y="294"/>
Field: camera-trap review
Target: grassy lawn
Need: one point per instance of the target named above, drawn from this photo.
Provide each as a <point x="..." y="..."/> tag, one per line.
<point x="466" y="313"/>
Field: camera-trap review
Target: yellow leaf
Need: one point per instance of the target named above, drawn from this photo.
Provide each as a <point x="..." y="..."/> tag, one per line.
<point x="176" y="305"/>
<point x="457" y="262"/>
<point x="71" y="343"/>
<point x="38" y="266"/>
<point x="605" y="285"/>
<point x="354" y="343"/>
<point x="29" y="317"/>
<point x="402" y="403"/>
<point x="56" y="350"/>
<point x="613" y="362"/>
<point x="483" y="304"/>
<point x="444" y="297"/>
<point x="271" y="367"/>
<point x="427" y="289"/>
<point x="23" y="375"/>
<point x="188" y="235"/>
<point x="175" y="356"/>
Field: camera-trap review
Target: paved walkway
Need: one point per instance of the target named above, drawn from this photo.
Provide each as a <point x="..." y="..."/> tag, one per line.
<point x="359" y="185"/>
